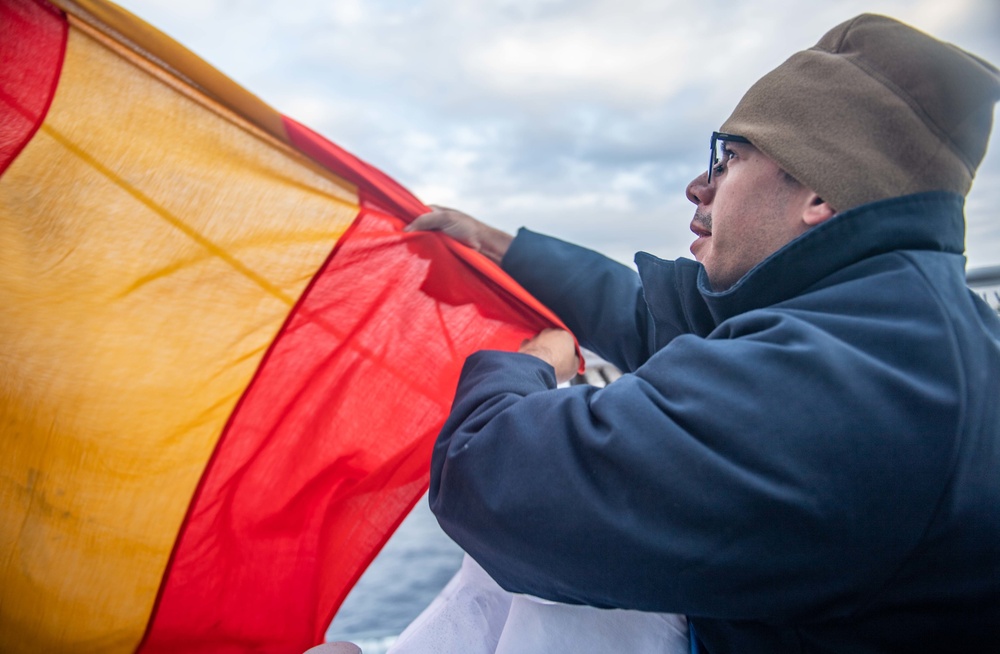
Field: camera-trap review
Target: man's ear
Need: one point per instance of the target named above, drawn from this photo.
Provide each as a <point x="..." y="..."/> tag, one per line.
<point x="817" y="211"/>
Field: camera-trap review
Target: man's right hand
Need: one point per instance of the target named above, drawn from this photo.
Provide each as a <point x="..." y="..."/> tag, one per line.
<point x="556" y="347"/>
<point x="465" y="229"/>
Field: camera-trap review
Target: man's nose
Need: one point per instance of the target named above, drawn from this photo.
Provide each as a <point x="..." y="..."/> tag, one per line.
<point x="699" y="191"/>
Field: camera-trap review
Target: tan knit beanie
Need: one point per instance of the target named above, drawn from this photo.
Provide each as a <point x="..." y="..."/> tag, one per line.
<point x="875" y="110"/>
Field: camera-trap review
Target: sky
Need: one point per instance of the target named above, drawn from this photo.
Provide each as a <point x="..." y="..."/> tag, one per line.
<point x="583" y="119"/>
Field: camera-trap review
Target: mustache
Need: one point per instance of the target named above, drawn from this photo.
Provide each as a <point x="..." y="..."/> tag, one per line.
<point x="703" y="220"/>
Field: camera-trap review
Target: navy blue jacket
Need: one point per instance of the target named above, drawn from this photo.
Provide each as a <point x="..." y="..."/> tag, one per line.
<point x="806" y="462"/>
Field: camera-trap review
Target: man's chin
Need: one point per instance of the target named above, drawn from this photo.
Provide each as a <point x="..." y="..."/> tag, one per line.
<point x="699" y="248"/>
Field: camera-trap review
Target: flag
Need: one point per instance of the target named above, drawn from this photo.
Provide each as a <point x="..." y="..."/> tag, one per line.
<point x="222" y="362"/>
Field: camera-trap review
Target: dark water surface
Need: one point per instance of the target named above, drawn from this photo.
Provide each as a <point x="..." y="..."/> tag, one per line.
<point x="410" y="571"/>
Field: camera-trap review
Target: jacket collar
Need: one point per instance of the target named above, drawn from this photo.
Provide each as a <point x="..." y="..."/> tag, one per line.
<point x="924" y="221"/>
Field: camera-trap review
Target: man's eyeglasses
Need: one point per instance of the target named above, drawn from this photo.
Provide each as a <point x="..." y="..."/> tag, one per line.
<point x="718" y="145"/>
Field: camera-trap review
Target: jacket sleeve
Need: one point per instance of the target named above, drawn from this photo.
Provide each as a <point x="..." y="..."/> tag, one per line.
<point x="754" y="475"/>
<point x="600" y="300"/>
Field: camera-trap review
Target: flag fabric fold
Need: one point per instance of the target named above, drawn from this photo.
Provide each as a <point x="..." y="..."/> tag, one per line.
<point x="223" y="362"/>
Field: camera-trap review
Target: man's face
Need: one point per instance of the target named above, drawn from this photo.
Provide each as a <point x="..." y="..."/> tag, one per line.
<point x="749" y="210"/>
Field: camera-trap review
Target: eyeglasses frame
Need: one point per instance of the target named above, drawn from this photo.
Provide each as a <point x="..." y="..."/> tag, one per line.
<point x="716" y="137"/>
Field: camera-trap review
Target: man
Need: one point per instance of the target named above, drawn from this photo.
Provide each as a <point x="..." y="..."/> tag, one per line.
<point x="805" y="454"/>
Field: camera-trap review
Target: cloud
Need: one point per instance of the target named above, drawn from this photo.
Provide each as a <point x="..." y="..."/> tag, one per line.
<point x="581" y="118"/>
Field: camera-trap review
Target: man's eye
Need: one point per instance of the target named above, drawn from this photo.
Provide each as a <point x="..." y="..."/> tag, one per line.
<point x="725" y="154"/>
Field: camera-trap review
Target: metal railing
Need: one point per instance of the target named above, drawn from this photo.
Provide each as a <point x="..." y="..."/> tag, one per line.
<point x="988" y="276"/>
<point x="986" y="282"/>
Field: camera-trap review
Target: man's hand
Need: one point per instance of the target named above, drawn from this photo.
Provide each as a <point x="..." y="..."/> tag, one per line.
<point x="465" y="229"/>
<point x="557" y="348"/>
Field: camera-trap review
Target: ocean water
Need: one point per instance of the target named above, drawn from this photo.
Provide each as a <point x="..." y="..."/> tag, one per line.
<point x="407" y="574"/>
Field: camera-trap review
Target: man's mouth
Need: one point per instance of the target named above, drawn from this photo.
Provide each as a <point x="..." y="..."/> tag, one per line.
<point x="699" y="229"/>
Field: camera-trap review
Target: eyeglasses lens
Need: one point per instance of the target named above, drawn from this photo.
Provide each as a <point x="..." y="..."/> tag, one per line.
<point x="716" y="155"/>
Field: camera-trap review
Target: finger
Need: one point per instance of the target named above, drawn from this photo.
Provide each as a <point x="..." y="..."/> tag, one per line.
<point x="429" y="222"/>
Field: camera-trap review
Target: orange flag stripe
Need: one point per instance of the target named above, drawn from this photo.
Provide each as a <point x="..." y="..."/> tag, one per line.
<point x="172" y="60"/>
